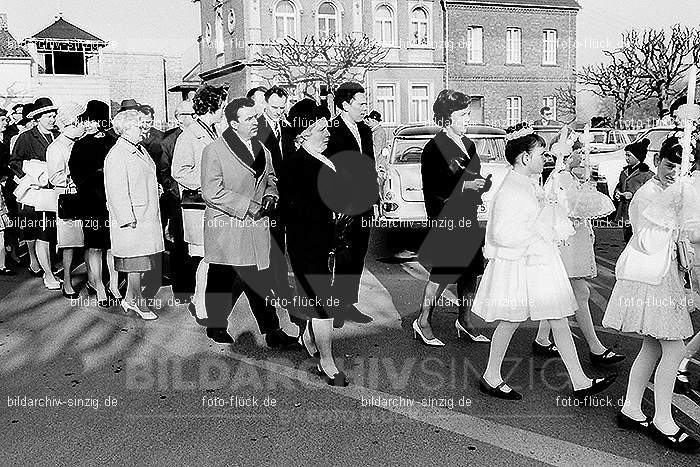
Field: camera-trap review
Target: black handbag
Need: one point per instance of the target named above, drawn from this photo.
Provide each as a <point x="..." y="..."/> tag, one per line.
<point x="69" y="206"/>
<point x="192" y="199"/>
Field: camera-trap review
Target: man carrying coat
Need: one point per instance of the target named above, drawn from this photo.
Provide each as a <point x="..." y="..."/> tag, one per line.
<point x="239" y="189"/>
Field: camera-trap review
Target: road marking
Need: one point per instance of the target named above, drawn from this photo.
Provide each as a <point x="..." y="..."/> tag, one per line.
<point x="525" y="443"/>
<point x="684" y="404"/>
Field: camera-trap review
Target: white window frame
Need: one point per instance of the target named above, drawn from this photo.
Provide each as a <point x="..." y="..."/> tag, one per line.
<point x="514" y="110"/>
<point x="483" y="106"/>
<point x="549" y="47"/>
<point x="380" y="102"/>
<point x="474" y="54"/>
<point x="325" y="18"/>
<point x="514" y="46"/>
<point x="417" y="23"/>
<point x="219" y="30"/>
<point x="551" y="102"/>
<point x="289" y="19"/>
<point x="380" y="24"/>
<point x="428" y="98"/>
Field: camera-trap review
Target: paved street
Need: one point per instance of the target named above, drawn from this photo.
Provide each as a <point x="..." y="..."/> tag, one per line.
<point x="162" y="392"/>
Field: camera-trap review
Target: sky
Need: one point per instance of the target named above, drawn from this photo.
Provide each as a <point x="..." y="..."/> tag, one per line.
<point x="172" y="26"/>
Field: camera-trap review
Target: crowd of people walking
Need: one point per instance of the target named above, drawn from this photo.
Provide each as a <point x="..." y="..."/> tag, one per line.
<point x="243" y="183"/>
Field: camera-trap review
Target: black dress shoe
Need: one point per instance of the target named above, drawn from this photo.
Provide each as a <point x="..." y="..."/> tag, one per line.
<point x="627" y="423"/>
<point x="70" y="296"/>
<point x="105" y="303"/>
<point x="7" y="272"/>
<point x="204" y="322"/>
<point x="219" y="335"/>
<point x="498" y="391"/>
<point x="599" y="385"/>
<point x="38" y="273"/>
<point x="351" y="313"/>
<point x="606" y="358"/>
<point x="192" y="309"/>
<point x="90" y="289"/>
<point x="278" y="339"/>
<point x="681" y="441"/>
<point x="544" y="350"/>
<point x="682" y="384"/>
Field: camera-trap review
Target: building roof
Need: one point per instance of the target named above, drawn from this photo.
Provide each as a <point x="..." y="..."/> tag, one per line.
<point x="62" y="29"/>
<point x="556" y="4"/>
<point x="9" y="46"/>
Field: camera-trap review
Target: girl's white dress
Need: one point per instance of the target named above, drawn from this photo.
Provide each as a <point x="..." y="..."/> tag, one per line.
<point x="649" y="297"/>
<point x="525" y="277"/>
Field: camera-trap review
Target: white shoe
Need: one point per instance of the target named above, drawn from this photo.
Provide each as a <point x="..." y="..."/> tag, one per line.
<point x="434" y="342"/>
<point x="146" y="315"/>
<point x="479" y="338"/>
<point x="51" y="283"/>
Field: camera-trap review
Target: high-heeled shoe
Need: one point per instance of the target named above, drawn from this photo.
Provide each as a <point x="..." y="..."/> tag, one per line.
<point x="473" y="338"/>
<point x="90" y="289"/>
<point x="34" y="273"/>
<point x="434" y="342"/>
<point x="308" y="346"/>
<point x="69" y="296"/>
<point x="113" y="296"/>
<point x="338" y="380"/>
<point x="145" y="315"/>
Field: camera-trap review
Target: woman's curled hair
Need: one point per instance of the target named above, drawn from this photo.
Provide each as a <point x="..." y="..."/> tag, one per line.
<point x="208" y="99"/>
<point x="449" y="101"/>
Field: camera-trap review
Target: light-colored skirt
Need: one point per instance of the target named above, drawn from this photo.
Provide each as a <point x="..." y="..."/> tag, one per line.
<point x="136" y="263"/>
<point x="659" y="311"/>
<point x="577" y="252"/>
<point x="69" y="233"/>
<point x="516" y="291"/>
<point x="193" y="227"/>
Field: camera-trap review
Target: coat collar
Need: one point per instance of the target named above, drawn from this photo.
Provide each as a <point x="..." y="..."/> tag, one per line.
<point x="40" y="136"/>
<point x="136" y="150"/>
<point x="349" y="136"/>
<point x="198" y="130"/>
<point x="241" y="152"/>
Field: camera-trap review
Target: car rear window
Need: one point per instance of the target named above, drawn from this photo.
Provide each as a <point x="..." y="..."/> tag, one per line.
<point x="657" y="137"/>
<point x="408" y="151"/>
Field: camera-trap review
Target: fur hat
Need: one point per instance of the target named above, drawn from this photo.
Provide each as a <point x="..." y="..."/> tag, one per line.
<point x="639" y="149"/>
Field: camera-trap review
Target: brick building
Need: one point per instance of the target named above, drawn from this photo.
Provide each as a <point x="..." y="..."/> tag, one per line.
<point x="511" y="55"/>
<point x="403" y="90"/>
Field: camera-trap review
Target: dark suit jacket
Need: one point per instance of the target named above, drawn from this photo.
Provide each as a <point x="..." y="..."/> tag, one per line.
<point x="357" y="182"/>
<point x="459" y="246"/>
<point x="152" y="144"/>
<point x="267" y="137"/>
<point x="30" y="145"/>
<point x="163" y="165"/>
<point x="86" y="165"/>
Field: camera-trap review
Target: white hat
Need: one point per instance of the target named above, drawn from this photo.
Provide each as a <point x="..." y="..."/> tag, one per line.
<point x="68" y="113"/>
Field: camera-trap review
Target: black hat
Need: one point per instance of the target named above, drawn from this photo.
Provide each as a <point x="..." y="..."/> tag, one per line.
<point x="41" y="106"/>
<point x="129" y="104"/>
<point x="374" y="115"/>
<point x="26" y="110"/>
<point x="96" y="111"/>
<point x="639" y="149"/>
<point x="303" y="114"/>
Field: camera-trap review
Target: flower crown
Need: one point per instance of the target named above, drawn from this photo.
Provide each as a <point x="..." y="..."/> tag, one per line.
<point x="519" y="134"/>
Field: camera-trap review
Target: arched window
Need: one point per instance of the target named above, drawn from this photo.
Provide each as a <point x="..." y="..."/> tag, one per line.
<point x="419" y="26"/>
<point x="384" y="25"/>
<point x="219" y="25"/>
<point x="285" y="19"/>
<point x="328" y="21"/>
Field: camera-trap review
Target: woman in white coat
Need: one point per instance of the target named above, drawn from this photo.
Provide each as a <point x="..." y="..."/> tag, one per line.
<point x="186" y="169"/>
<point x="649" y="299"/>
<point x="69" y="232"/>
<point x="134" y="214"/>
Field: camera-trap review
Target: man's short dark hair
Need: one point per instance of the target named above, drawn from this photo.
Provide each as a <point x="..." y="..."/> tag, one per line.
<point x="448" y="101"/>
<point x="208" y="99"/>
<point x="252" y="92"/>
<point x="276" y="91"/>
<point x="232" y="108"/>
<point x="346" y="93"/>
<point x="544" y="109"/>
<point x="375" y="115"/>
<point x="147" y="109"/>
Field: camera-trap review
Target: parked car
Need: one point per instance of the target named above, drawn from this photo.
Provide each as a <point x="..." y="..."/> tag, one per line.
<point x="656" y="136"/>
<point x="608" y="140"/>
<point x="401" y="194"/>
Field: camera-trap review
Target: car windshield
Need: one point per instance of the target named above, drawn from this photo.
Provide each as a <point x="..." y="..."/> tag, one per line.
<point x="599" y="138"/>
<point x="657" y="137"/>
<point x="408" y="151"/>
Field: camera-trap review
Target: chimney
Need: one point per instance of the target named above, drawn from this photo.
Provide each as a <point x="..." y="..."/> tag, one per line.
<point x="3" y="21"/>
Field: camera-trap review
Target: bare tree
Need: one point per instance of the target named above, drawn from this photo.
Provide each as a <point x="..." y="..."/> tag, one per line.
<point x="662" y="58"/>
<point x="566" y="100"/>
<point x="619" y="79"/>
<point x="330" y="61"/>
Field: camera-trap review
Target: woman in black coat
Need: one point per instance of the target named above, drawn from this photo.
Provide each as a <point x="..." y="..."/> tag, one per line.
<point x="86" y="165"/>
<point x="452" y="188"/>
<point x="311" y="231"/>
